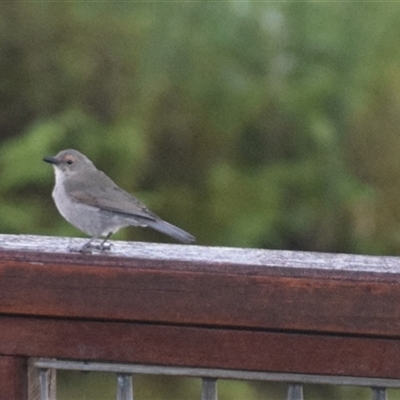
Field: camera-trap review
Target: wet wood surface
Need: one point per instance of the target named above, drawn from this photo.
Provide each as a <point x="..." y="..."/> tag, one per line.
<point x="200" y="306"/>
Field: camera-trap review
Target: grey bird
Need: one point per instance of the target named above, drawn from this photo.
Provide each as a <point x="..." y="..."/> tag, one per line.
<point x="92" y="202"/>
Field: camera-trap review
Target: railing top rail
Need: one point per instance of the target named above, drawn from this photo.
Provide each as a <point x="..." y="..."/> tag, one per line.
<point x="62" y="249"/>
<point x="194" y="285"/>
<point x="254" y="310"/>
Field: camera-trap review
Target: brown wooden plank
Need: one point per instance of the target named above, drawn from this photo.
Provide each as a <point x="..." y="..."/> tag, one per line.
<point x="170" y="287"/>
<point x="13" y="378"/>
<point x="200" y="347"/>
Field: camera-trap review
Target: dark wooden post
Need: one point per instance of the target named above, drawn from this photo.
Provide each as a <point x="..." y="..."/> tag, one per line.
<point x="13" y="378"/>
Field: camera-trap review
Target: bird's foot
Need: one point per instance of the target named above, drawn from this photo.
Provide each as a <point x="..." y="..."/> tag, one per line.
<point x="89" y="247"/>
<point x="86" y="249"/>
<point x="104" y="246"/>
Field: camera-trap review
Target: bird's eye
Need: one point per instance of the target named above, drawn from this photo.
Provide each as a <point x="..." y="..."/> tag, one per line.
<point x="69" y="162"/>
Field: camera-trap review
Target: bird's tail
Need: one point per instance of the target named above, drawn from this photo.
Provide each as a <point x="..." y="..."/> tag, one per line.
<point x="171" y="230"/>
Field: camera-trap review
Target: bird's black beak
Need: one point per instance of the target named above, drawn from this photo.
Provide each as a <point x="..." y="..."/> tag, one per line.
<point x="50" y="160"/>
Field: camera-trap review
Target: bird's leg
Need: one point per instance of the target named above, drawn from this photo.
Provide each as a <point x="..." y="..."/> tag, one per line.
<point x="103" y="245"/>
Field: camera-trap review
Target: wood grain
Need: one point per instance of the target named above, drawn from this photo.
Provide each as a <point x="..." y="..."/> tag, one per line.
<point x="255" y="310"/>
<point x="200" y="347"/>
<point x="209" y="289"/>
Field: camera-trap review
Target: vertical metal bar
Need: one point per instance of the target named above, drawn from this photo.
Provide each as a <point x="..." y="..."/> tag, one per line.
<point x="209" y="389"/>
<point x="295" y="392"/>
<point x="124" y="387"/>
<point x="379" y="394"/>
<point x="44" y="384"/>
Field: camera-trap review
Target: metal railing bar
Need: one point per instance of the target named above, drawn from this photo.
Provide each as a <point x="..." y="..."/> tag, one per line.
<point x="124" y="387"/>
<point x="209" y="389"/>
<point x="379" y="393"/>
<point x="217" y="373"/>
<point x="44" y="384"/>
<point x="295" y="392"/>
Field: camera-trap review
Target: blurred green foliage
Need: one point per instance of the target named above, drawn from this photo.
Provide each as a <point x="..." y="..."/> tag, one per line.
<point x="272" y="125"/>
<point x="248" y="124"/>
<point x="102" y="386"/>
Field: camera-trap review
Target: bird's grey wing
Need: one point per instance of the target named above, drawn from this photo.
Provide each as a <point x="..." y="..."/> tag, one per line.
<point x="100" y="191"/>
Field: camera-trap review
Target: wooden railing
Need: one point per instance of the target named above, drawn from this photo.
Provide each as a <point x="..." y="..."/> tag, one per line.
<point x="227" y="309"/>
